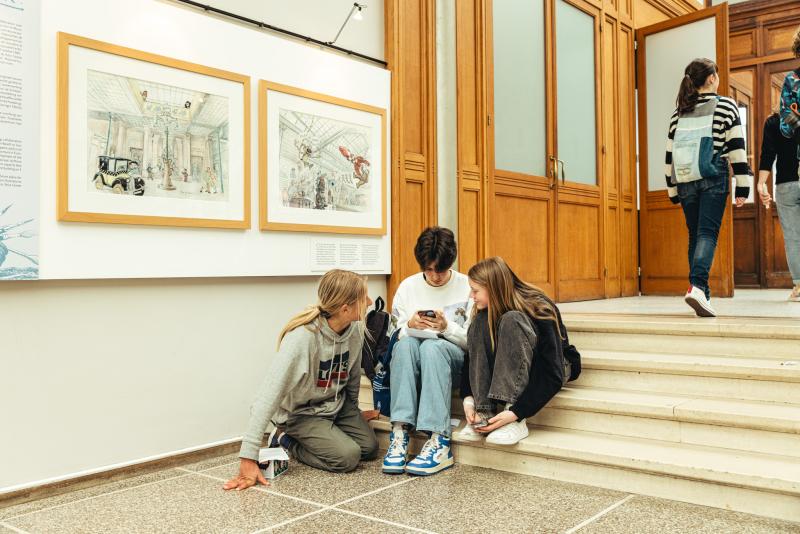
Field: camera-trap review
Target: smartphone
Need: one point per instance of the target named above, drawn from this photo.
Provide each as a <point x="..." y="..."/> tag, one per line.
<point x="480" y="424"/>
<point x="427" y="313"/>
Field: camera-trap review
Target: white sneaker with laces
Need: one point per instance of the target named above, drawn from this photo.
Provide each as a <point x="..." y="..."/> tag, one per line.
<point x="509" y="434"/>
<point x="696" y="298"/>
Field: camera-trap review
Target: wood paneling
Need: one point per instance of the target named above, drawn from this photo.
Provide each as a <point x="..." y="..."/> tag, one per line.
<point x="610" y="154"/>
<point x="778" y="38"/>
<point x="410" y="33"/>
<point x="521" y="224"/>
<point x="743" y="44"/>
<point x="629" y="225"/>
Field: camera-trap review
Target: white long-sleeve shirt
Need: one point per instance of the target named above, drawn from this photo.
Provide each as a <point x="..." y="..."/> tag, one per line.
<point x="415" y="294"/>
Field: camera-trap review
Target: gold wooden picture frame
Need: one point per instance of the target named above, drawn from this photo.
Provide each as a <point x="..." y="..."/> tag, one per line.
<point x="182" y="172"/>
<point x="328" y="181"/>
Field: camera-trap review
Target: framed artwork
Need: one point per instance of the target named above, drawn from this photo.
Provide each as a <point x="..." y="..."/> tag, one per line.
<point x="322" y="163"/>
<point x="147" y="139"/>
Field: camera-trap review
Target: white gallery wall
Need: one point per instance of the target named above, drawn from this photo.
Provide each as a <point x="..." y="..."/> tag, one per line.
<point x="102" y="373"/>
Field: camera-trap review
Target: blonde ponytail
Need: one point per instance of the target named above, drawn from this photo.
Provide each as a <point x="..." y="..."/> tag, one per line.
<point x="336" y="288"/>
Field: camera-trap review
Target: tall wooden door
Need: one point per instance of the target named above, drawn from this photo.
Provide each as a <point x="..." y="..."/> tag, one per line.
<point x="663" y="51"/>
<point x="544" y="201"/>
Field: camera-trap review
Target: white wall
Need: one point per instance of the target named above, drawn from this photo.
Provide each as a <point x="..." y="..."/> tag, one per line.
<point x="96" y="374"/>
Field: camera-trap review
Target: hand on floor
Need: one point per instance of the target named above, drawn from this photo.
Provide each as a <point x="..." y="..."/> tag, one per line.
<point x="501" y="419"/>
<point x="249" y="475"/>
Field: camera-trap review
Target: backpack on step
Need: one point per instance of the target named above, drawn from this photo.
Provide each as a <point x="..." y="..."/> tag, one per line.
<point x="377" y="322"/>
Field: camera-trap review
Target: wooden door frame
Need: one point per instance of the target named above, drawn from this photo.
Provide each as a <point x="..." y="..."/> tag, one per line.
<point x="660" y="198"/>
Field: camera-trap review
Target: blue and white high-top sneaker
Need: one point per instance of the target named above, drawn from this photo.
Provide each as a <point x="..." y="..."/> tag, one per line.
<point x="435" y="456"/>
<point x="396" y="457"/>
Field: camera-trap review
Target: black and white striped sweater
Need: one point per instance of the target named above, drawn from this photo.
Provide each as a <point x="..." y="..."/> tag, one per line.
<point x="728" y="141"/>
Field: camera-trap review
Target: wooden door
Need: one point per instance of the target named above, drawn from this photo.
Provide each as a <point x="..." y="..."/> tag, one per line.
<point x="775" y="266"/>
<point x="746" y="227"/>
<point x="545" y="203"/>
<point x="663" y="51"/>
<point x="521" y="184"/>
<point x="577" y="152"/>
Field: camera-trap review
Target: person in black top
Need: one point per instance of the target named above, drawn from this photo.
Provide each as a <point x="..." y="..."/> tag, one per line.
<point x="775" y="146"/>
<point x="516" y="359"/>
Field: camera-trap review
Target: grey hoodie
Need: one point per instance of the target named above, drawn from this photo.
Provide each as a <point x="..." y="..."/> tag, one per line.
<point x="312" y="373"/>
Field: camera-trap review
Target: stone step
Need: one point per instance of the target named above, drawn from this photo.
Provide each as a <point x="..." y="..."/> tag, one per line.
<point x="736" y="480"/>
<point x="772" y="428"/>
<point x="682" y="326"/>
<point x="787" y="350"/>
<point x="696" y="375"/>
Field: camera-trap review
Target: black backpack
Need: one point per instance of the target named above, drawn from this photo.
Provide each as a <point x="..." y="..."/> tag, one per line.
<point x="376" y="343"/>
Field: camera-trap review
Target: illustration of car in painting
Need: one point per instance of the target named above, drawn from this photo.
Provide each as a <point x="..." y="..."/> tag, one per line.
<point x="121" y="175"/>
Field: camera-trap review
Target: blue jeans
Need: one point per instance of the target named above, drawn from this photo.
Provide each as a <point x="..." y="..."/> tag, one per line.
<point x="787" y="198"/>
<point x="423" y="373"/>
<point x="703" y="202"/>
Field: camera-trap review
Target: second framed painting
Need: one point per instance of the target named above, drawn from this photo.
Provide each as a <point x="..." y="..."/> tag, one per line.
<point x="322" y="163"/>
<point x="147" y="139"/>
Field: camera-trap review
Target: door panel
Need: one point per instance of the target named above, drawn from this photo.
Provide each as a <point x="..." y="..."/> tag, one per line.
<point x="521" y="196"/>
<point x="580" y="224"/>
<point x="664" y="50"/>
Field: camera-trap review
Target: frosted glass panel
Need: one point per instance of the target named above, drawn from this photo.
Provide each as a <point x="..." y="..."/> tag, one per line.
<point x="577" y="145"/>
<point x="519" y="86"/>
<point x="668" y="53"/>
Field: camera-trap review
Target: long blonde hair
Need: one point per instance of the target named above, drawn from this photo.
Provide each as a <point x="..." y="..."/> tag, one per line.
<point x="508" y="293"/>
<point x="336" y="288"/>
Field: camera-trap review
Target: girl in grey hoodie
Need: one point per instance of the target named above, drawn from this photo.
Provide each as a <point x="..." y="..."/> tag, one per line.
<point x="312" y="386"/>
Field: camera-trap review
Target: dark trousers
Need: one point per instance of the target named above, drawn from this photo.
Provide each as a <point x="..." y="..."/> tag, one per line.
<point x="703" y="202"/>
<point x="332" y="443"/>
<point x="501" y="374"/>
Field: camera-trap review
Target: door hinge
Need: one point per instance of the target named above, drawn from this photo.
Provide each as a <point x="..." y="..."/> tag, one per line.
<point x="639" y="270"/>
<point x="605" y="272"/>
<point x="488" y="120"/>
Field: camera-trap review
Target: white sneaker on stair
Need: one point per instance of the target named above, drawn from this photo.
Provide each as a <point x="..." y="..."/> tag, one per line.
<point x="696" y="298"/>
<point x="468" y="434"/>
<point x="509" y="434"/>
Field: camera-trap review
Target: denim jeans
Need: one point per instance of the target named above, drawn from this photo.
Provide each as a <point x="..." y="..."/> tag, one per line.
<point x="703" y="202"/>
<point x="787" y="198"/>
<point x="500" y="375"/>
<point x="423" y="373"/>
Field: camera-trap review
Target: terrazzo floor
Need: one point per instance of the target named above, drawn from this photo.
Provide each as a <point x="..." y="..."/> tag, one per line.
<point x="462" y="499"/>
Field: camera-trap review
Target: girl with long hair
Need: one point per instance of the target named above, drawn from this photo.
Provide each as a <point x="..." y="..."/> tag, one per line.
<point x="705" y="136"/>
<point x="516" y="359"/>
<point x="312" y="385"/>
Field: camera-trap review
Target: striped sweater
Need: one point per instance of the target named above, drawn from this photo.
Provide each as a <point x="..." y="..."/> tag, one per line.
<point x="728" y="141"/>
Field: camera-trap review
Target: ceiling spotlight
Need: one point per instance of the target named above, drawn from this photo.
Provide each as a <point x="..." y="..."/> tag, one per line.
<point x="355" y="12"/>
<point x="187" y="104"/>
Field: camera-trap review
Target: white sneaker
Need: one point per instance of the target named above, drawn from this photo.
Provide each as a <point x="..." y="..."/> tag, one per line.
<point x="795" y="295"/>
<point x="468" y="434"/>
<point x="696" y="298"/>
<point x="510" y="434"/>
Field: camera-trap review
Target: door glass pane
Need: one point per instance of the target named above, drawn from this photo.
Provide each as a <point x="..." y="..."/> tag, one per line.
<point x="576" y="74"/>
<point x="667" y="54"/>
<point x="519" y="86"/>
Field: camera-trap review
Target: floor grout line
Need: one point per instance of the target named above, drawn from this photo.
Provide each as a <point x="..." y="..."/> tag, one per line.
<point x="385" y="521"/>
<point x="373" y="492"/>
<point x="291" y="520"/>
<point x="263" y="489"/>
<point x="12" y="527"/>
<point x="48" y="508"/>
<point x="600" y="514"/>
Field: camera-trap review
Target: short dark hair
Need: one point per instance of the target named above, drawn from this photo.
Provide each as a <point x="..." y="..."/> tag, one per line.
<point x="436" y="245"/>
